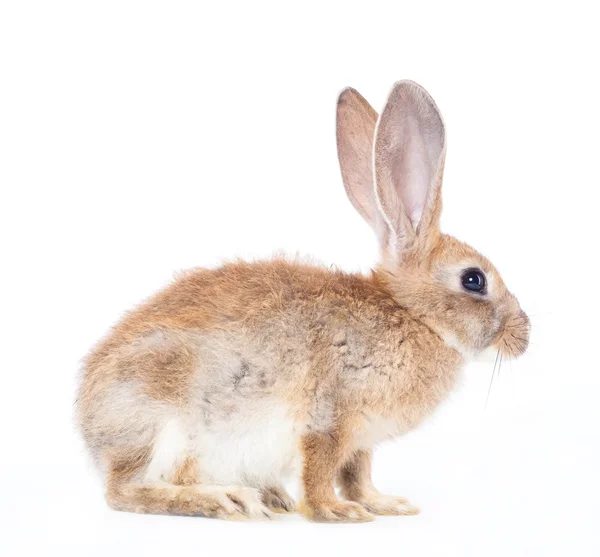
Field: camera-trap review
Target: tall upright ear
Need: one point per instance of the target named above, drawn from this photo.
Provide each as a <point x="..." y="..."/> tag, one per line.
<point x="409" y="152"/>
<point x="355" y="131"/>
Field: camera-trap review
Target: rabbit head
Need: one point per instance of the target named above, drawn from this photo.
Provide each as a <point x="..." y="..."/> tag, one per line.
<point x="392" y="168"/>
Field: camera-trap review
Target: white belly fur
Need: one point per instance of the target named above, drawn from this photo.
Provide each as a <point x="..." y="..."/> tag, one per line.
<point x="256" y="449"/>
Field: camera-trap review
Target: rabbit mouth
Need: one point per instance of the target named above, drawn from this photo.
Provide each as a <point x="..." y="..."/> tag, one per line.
<point x="514" y="339"/>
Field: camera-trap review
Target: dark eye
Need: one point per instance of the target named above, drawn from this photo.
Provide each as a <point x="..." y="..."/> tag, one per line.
<point x="474" y="281"/>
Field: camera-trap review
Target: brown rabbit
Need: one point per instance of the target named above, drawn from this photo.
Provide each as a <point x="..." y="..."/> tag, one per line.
<point x="204" y="399"/>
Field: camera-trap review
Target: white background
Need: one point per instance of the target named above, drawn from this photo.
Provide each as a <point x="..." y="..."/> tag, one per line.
<point x="142" y="138"/>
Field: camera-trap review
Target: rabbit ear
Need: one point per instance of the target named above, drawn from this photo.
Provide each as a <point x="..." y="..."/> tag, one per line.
<point x="355" y="130"/>
<point x="409" y="159"/>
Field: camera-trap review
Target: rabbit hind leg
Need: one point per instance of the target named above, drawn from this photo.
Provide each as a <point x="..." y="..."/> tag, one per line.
<point x="126" y="491"/>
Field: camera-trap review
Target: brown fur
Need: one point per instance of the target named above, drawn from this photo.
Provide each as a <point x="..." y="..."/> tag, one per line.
<point x="187" y="472"/>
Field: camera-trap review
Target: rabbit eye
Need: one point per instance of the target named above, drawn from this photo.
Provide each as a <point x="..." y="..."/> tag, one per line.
<point x="473" y="280"/>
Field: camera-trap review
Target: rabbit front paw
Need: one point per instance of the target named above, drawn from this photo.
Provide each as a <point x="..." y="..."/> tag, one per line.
<point x="336" y="511"/>
<point x="380" y="504"/>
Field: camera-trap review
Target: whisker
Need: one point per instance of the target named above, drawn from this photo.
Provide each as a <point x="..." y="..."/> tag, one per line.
<point x="507" y="349"/>
<point x="491" y="381"/>
<point x="519" y="338"/>
<point x="520" y="344"/>
<point x="501" y="355"/>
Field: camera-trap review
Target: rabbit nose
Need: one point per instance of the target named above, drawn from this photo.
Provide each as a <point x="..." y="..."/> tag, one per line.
<point x="515" y="339"/>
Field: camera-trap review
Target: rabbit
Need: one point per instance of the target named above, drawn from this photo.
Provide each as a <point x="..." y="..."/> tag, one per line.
<point x="206" y="398"/>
